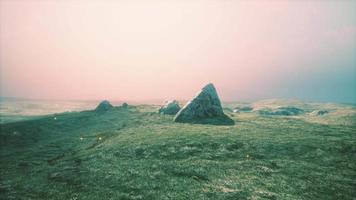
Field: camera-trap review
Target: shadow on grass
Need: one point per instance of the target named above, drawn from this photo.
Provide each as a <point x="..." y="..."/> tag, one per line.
<point x="218" y="121"/>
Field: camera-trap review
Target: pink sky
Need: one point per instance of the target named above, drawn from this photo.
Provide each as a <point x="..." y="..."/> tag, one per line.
<point x="141" y="50"/>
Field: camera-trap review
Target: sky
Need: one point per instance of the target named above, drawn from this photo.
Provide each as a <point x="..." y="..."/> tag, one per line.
<point x="165" y="49"/>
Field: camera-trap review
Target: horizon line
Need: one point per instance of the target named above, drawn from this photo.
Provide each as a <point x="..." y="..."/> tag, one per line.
<point x="162" y="100"/>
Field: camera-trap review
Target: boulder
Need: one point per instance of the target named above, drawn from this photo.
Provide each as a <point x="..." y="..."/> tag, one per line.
<point x="170" y="108"/>
<point x="125" y="105"/>
<point x="204" y="108"/>
<point x="104" y="106"/>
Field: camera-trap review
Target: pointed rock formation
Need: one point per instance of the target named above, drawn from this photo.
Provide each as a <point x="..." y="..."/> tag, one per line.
<point x="104" y="106"/>
<point x="204" y="108"/>
<point x="170" y="108"/>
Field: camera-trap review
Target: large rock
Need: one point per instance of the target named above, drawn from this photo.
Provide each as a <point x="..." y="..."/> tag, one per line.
<point x="104" y="106"/>
<point x="204" y="108"/>
<point x="170" y="108"/>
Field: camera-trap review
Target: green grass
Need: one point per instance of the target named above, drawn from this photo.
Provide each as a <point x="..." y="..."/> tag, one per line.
<point x="136" y="153"/>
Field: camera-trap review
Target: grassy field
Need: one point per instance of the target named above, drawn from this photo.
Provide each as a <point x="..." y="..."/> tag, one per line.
<point x="136" y="153"/>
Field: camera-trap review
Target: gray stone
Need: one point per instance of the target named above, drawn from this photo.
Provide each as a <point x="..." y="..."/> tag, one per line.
<point x="125" y="105"/>
<point x="104" y="106"/>
<point x="204" y="108"/>
<point x="170" y="108"/>
<point x="320" y="112"/>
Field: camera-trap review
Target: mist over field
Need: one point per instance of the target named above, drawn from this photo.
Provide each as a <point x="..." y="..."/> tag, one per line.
<point x="137" y="51"/>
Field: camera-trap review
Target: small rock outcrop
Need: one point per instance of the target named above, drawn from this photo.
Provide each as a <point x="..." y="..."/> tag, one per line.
<point x="170" y="108"/>
<point x="283" y="111"/>
<point x="320" y="112"/>
<point x="204" y="108"/>
<point x="104" y="106"/>
<point x="125" y="105"/>
<point x="242" y="109"/>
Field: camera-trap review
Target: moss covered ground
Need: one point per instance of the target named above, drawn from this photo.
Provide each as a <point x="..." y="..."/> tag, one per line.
<point x="136" y="153"/>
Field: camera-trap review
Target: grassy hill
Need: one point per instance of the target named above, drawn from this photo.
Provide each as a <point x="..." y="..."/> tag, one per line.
<point x="136" y="153"/>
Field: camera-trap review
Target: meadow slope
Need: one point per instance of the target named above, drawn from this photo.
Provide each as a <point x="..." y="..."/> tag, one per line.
<point x="136" y="153"/>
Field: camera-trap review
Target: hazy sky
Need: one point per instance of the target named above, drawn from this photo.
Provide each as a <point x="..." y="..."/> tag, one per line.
<point x="140" y="50"/>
